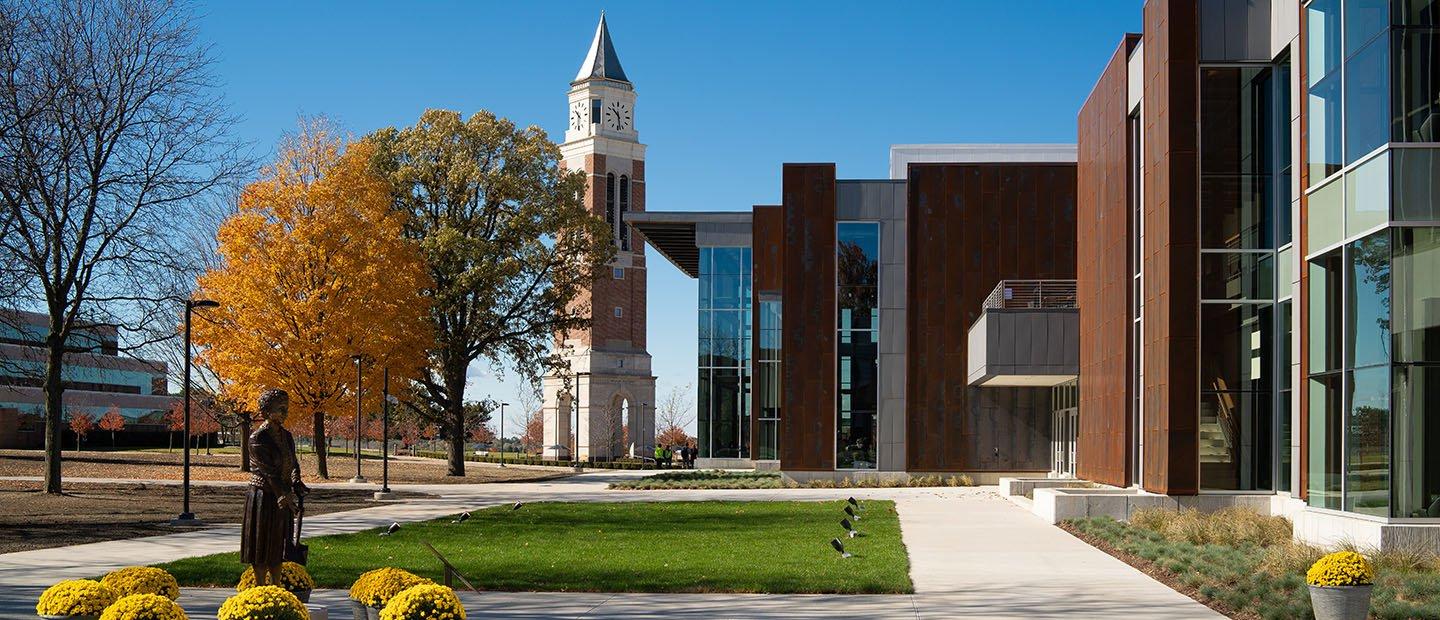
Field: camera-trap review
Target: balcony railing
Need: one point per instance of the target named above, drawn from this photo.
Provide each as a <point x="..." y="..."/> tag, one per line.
<point x="1032" y="294"/>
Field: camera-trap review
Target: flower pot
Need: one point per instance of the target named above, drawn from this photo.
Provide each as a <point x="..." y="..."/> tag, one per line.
<point x="358" y="610"/>
<point x="373" y="613"/>
<point x="49" y="617"/>
<point x="303" y="595"/>
<point x="1340" y="602"/>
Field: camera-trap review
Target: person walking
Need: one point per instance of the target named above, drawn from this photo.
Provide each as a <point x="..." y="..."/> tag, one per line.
<point x="659" y="455"/>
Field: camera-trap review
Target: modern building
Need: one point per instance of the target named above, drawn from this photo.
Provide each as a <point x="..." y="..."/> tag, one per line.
<point x="838" y="329"/>
<point x="97" y="378"/>
<point x="603" y="405"/>
<point x="1259" y="279"/>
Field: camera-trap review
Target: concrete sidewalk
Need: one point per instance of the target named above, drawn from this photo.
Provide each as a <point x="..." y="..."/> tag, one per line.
<point x="972" y="554"/>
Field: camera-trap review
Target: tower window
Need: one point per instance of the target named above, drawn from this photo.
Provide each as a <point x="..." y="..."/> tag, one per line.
<point x="619" y="312"/>
<point x="594" y="111"/>
<point x="619" y="273"/>
<point x="624" y="208"/>
<point x="610" y="202"/>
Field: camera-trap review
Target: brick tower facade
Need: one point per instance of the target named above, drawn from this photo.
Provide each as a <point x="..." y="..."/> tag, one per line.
<point x="608" y="393"/>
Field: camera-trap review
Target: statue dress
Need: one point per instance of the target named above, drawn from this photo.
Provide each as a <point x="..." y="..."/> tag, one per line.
<point x="274" y="473"/>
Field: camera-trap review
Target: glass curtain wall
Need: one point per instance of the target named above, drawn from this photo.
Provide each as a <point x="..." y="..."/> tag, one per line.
<point x="723" y="397"/>
<point x="1244" y="127"/>
<point x="857" y="292"/>
<point x="767" y="379"/>
<point x="1374" y="301"/>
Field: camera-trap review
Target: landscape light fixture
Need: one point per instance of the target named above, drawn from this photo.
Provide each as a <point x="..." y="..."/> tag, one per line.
<point x="516" y="506"/>
<point x="845" y="523"/>
<point x="359" y="390"/>
<point x="464" y="516"/>
<point x="394" y="527"/>
<point x="850" y="511"/>
<point x="186" y="517"/>
<point x="839" y="546"/>
<point x="852" y="502"/>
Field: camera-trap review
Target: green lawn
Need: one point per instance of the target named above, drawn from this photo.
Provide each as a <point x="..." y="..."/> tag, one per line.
<point x="621" y="547"/>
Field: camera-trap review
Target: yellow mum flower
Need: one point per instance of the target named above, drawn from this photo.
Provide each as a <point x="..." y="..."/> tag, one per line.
<point x="424" y="602"/>
<point x="144" y="607"/>
<point x="263" y="603"/>
<point x="375" y="588"/>
<point x="293" y="577"/>
<point x="142" y="580"/>
<point x="1342" y="568"/>
<point x="79" y="597"/>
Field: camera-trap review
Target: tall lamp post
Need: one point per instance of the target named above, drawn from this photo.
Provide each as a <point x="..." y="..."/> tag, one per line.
<point x="186" y="517"/>
<point x="359" y="393"/>
<point x="384" y="492"/>
<point x="502" y="433"/>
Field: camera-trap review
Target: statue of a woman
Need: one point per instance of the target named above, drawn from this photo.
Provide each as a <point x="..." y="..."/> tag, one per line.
<point x="273" y="495"/>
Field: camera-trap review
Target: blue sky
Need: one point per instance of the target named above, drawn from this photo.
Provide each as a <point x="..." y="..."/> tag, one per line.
<point x="727" y="92"/>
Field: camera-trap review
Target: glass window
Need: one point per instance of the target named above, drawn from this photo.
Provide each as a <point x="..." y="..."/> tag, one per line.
<point x="1416" y="294"/>
<point x="1415" y="12"/>
<point x="1417" y="433"/>
<point x="1237" y="275"/>
<point x="1367" y="100"/>
<point x="610" y="202"/>
<point x="594" y="111"/>
<point x="1236" y="439"/>
<point x="624" y="208"/>
<point x="1416" y="93"/>
<point x="1322" y="30"/>
<point x="1236" y="212"/>
<point x="1326" y="441"/>
<point x="1326" y="224"/>
<point x="1364" y="20"/>
<point x="1326" y="311"/>
<point x="1236" y="111"/>
<point x="723" y="400"/>
<point x="1236" y="347"/>
<point x="1367" y="195"/>
<point x="1285" y="273"/>
<point x="1417" y="183"/>
<point x="857" y="250"/>
<point x="1323" y="102"/>
<point x="1368" y="301"/>
<point x="1286" y="399"/>
<point x="1367" y="471"/>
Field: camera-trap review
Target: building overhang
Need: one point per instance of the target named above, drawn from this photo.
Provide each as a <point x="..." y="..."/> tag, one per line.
<point x="1024" y="347"/>
<point x="679" y="235"/>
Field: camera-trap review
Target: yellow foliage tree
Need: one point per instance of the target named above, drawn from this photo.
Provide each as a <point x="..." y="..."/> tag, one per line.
<point x="315" y="270"/>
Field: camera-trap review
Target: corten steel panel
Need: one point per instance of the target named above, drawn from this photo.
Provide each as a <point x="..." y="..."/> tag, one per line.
<point x="807" y="378"/>
<point x="970" y="226"/>
<point x="1104" y="285"/>
<point x="767" y="249"/>
<point x="1171" y="393"/>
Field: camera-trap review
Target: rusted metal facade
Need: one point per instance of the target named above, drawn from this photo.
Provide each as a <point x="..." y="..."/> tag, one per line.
<point x="807" y="426"/>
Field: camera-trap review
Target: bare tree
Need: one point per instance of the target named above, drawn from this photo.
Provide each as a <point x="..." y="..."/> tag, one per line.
<point x="676" y="410"/>
<point x="110" y="125"/>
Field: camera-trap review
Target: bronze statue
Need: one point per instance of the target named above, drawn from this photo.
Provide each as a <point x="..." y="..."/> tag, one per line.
<point x="273" y="497"/>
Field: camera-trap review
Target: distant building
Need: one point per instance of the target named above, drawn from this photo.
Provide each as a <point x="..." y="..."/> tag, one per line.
<point x="96" y="378"/>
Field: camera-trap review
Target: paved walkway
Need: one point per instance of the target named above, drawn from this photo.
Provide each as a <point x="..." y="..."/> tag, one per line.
<point x="972" y="554"/>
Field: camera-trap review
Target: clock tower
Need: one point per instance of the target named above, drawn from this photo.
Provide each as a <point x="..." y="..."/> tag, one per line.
<point x="602" y="406"/>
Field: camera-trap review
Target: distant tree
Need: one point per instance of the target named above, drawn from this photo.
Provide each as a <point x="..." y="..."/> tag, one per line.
<point x="509" y="245"/>
<point x="674" y="436"/>
<point x="532" y="441"/>
<point x="674" y="411"/>
<point x="81" y="423"/>
<point x="175" y="421"/>
<point x="112" y="421"/>
<point x="482" y="434"/>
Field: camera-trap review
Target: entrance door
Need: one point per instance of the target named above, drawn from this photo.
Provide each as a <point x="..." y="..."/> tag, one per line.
<point x="1064" y="426"/>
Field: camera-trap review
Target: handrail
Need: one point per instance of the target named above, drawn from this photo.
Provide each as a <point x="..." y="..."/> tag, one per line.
<point x="1032" y="294"/>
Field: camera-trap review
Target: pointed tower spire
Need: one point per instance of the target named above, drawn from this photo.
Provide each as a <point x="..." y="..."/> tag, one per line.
<point x="602" y="62"/>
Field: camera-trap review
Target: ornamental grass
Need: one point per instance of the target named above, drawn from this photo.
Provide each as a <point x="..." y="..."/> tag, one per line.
<point x="144" y="607"/>
<point x="142" y="580"/>
<point x="78" y="597"/>
<point x="1342" y="568"/>
<point x="263" y="603"/>
<point x="424" y="602"/>
<point x="375" y="588"/>
<point x="293" y="577"/>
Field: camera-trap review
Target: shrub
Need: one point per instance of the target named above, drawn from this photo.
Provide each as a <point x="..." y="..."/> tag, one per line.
<point x="424" y="602"/>
<point x="293" y="577"/>
<point x="144" y="607"/>
<point x="79" y="597"/>
<point x="1342" y="568"/>
<point x="377" y="587"/>
<point x="263" y="603"/>
<point x="1227" y="526"/>
<point x="142" y="580"/>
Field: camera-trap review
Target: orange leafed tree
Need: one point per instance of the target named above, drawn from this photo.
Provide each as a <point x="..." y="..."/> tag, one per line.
<point x="81" y="423"/>
<point x="314" y="270"/>
<point x="112" y="421"/>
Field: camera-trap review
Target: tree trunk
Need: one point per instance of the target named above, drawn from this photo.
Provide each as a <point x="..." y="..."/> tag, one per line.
<point x="54" y="409"/>
<point x="245" y="443"/>
<point x="321" y="447"/>
<point x="455" y="417"/>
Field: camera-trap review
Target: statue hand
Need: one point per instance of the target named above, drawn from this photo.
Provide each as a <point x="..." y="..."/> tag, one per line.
<point x="289" y="502"/>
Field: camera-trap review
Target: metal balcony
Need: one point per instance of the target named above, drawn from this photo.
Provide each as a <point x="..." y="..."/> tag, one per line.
<point x="1028" y="334"/>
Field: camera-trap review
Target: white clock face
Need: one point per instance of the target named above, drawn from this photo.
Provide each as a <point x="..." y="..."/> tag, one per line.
<point x="617" y="116"/>
<point x="577" y="116"/>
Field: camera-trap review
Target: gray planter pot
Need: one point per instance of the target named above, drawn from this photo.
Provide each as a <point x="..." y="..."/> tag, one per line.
<point x="303" y="595"/>
<point x="362" y="611"/>
<point x="372" y="613"/>
<point x="69" y="617"/>
<point x="1340" y="602"/>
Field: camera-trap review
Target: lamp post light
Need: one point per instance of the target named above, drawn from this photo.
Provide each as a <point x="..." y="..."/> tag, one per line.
<point x="186" y="517"/>
<point x="384" y="492"/>
<point x="359" y="395"/>
<point x="502" y="433"/>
